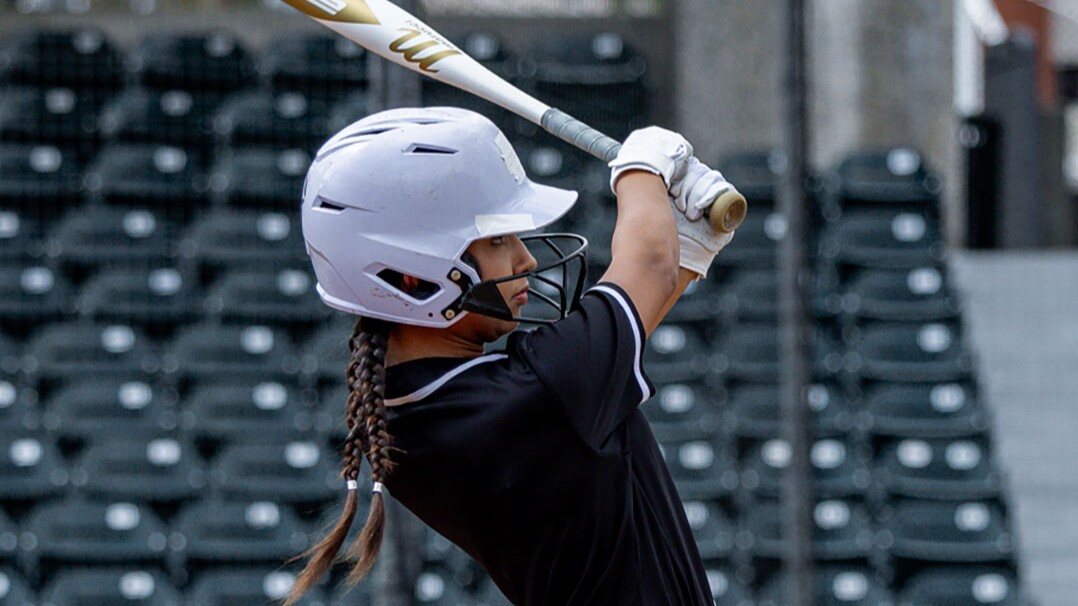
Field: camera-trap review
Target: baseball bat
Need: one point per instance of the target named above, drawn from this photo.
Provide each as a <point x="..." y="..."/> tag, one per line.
<point x="391" y="32"/>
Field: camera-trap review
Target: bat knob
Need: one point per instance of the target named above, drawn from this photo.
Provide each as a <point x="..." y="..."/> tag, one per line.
<point x="728" y="211"/>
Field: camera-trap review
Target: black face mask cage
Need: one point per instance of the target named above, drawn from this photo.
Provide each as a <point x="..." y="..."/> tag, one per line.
<point x="569" y="259"/>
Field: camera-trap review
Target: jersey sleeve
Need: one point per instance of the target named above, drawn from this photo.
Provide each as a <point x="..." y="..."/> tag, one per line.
<point x="592" y="361"/>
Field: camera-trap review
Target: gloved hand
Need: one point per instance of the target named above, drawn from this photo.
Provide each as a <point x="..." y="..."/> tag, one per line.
<point x="656" y="150"/>
<point x="694" y="194"/>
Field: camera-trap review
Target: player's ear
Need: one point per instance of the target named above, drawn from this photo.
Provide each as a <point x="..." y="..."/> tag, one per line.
<point x="409" y="283"/>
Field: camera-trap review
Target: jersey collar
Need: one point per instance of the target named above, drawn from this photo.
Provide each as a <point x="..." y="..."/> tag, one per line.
<point x="416" y="379"/>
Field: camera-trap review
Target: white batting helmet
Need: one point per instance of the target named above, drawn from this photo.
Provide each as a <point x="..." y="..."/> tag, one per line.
<point x="404" y="192"/>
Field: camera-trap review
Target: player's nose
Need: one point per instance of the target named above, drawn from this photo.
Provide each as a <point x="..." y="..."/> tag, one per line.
<point x="524" y="261"/>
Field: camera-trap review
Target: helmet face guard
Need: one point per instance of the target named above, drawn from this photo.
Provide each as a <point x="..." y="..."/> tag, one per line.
<point x="555" y="285"/>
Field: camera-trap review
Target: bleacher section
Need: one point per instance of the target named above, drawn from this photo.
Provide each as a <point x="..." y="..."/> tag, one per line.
<point x="171" y="388"/>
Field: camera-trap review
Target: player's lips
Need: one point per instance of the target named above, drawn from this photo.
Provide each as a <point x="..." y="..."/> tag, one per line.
<point x="522" y="296"/>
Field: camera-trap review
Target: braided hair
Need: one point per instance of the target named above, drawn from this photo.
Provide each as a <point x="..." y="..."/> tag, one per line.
<point x="368" y="435"/>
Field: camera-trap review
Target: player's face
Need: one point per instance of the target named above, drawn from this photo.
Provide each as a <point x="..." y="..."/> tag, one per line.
<point x="500" y="257"/>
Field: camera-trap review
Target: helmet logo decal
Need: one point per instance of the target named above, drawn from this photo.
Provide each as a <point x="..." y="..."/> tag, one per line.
<point x="411" y="53"/>
<point x="503" y="224"/>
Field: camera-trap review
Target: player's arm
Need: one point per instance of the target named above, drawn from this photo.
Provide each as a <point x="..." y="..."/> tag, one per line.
<point x="647" y="206"/>
<point x="644" y="246"/>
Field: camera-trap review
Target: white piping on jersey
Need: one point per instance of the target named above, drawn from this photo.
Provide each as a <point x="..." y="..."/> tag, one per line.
<point x="645" y="393"/>
<point x="433" y="386"/>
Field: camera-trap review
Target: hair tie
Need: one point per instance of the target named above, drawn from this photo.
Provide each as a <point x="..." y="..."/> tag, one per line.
<point x="377" y="487"/>
<point x="353" y="485"/>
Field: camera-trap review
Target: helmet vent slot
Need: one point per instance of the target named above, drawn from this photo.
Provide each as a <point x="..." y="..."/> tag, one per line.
<point x="329" y="207"/>
<point x="420" y="291"/>
<point x="432" y="150"/>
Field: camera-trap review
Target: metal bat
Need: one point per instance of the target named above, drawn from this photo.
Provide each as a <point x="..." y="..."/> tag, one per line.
<point x="391" y="32"/>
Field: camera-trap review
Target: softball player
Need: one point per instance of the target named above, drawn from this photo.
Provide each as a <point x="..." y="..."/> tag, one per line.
<point x="535" y="460"/>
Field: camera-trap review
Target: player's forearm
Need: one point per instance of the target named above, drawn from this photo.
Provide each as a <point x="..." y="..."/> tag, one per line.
<point x="645" y="235"/>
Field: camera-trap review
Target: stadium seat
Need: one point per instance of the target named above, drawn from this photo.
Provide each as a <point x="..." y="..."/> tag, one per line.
<point x="288" y="120"/>
<point x="260" y="178"/>
<point x="99" y="408"/>
<point x="938" y="469"/>
<point x="726" y="588"/>
<point x="79" y="349"/>
<point x="18" y="405"/>
<point x="700" y="468"/>
<point x="284" y="298"/>
<point x="436" y="587"/>
<point x="77" y="531"/>
<point x="757" y="241"/>
<point x="138" y="175"/>
<point x="39" y="180"/>
<point x="9" y="543"/>
<point x="219" y="533"/>
<point x="922" y="534"/>
<point x="209" y="352"/>
<point x="299" y="473"/>
<point x="754" y="411"/>
<point x="20" y="236"/>
<point x="750" y="352"/>
<point x="244" y="239"/>
<point x="161" y="117"/>
<point x="751" y="295"/>
<point x="963" y="586"/>
<point x="156" y="299"/>
<point x="909" y="352"/>
<point x="325" y="354"/>
<point x="596" y="78"/>
<point x="842" y="532"/>
<point x="883" y="240"/>
<point x="90" y="238"/>
<point x="147" y="470"/>
<point x="917" y="295"/>
<point x="711" y="529"/>
<point x="894" y="177"/>
<point x="836" y="585"/>
<point x="214" y="61"/>
<point x="235" y="410"/>
<point x="57" y="116"/>
<point x="15" y="590"/>
<point x="31" y="467"/>
<point x="10" y="359"/>
<point x="79" y="58"/>
<point x="127" y="586"/>
<point x="317" y="65"/>
<point x="683" y="410"/>
<point x="839" y="471"/>
<point x="256" y="586"/>
<point x="756" y="175"/>
<point x="349" y="109"/>
<point x="924" y="410"/>
<point x="31" y="295"/>
<point x="677" y="352"/>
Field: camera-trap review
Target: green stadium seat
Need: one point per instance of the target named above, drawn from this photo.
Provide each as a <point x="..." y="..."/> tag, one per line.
<point x="284" y="298"/>
<point x="836" y="585"/>
<point x="161" y="117"/>
<point x="260" y="178"/>
<point x="39" y="180"/>
<point x="839" y="470"/>
<point x="255" y="586"/>
<point x="30" y="296"/>
<point x="916" y="295"/>
<point x="66" y="350"/>
<point x="98" y="408"/>
<point x="287" y="120"/>
<point x="208" y="351"/>
<point x="156" y="299"/>
<point x="160" y="470"/>
<point x="882" y="240"/>
<point x="318" y="65"/>
<point x="235" y="410"/>
<point x="217" y="533"/>
<point x="951" y="469"/>
<point x="236" y="239"/>
<point x="681" y="410"/>
<point x="215" y="61"/>
<point x="753" y="411"/>
<point x="301" y="473"/>
<point x="924" y="410"/>
<point x="712" y="529"/>
<point x="80" y="58"/>
<point x="909" y="352"/>
<point x="15" y="590"/>
<point x="700" y="468"/>
<point x="164" y="178"/>
<point x="57" y="116"/>
<point x="92" y="238"/>
<point x="130" y="587"/>
<point x="964" y="586"/>
<point x="31" y="467"/>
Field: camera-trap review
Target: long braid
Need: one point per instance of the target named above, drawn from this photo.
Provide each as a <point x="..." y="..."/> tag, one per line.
<point x="367" y="434"/>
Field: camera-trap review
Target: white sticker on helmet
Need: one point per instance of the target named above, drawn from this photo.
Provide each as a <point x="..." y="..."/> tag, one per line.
<point x="503" y="224"/>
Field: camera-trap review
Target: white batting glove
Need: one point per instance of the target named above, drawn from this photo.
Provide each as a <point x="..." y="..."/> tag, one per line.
<point x="656" y="150"/>
<point x="698" y="240"/>
<point x="700" y="187"/>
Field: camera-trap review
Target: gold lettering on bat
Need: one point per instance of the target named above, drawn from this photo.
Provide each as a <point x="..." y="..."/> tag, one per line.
<point x="341" y="11"/>
<point x="411" y="53"/>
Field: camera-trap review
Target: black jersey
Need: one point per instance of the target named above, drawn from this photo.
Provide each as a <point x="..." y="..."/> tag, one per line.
<point x="537" y="462"/>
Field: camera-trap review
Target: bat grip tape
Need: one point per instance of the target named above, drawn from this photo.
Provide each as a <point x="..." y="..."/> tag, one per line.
<point x="578" y="134"/>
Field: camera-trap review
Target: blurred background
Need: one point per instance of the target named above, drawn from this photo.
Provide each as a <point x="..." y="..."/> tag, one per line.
<point x="171" y="389"/>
